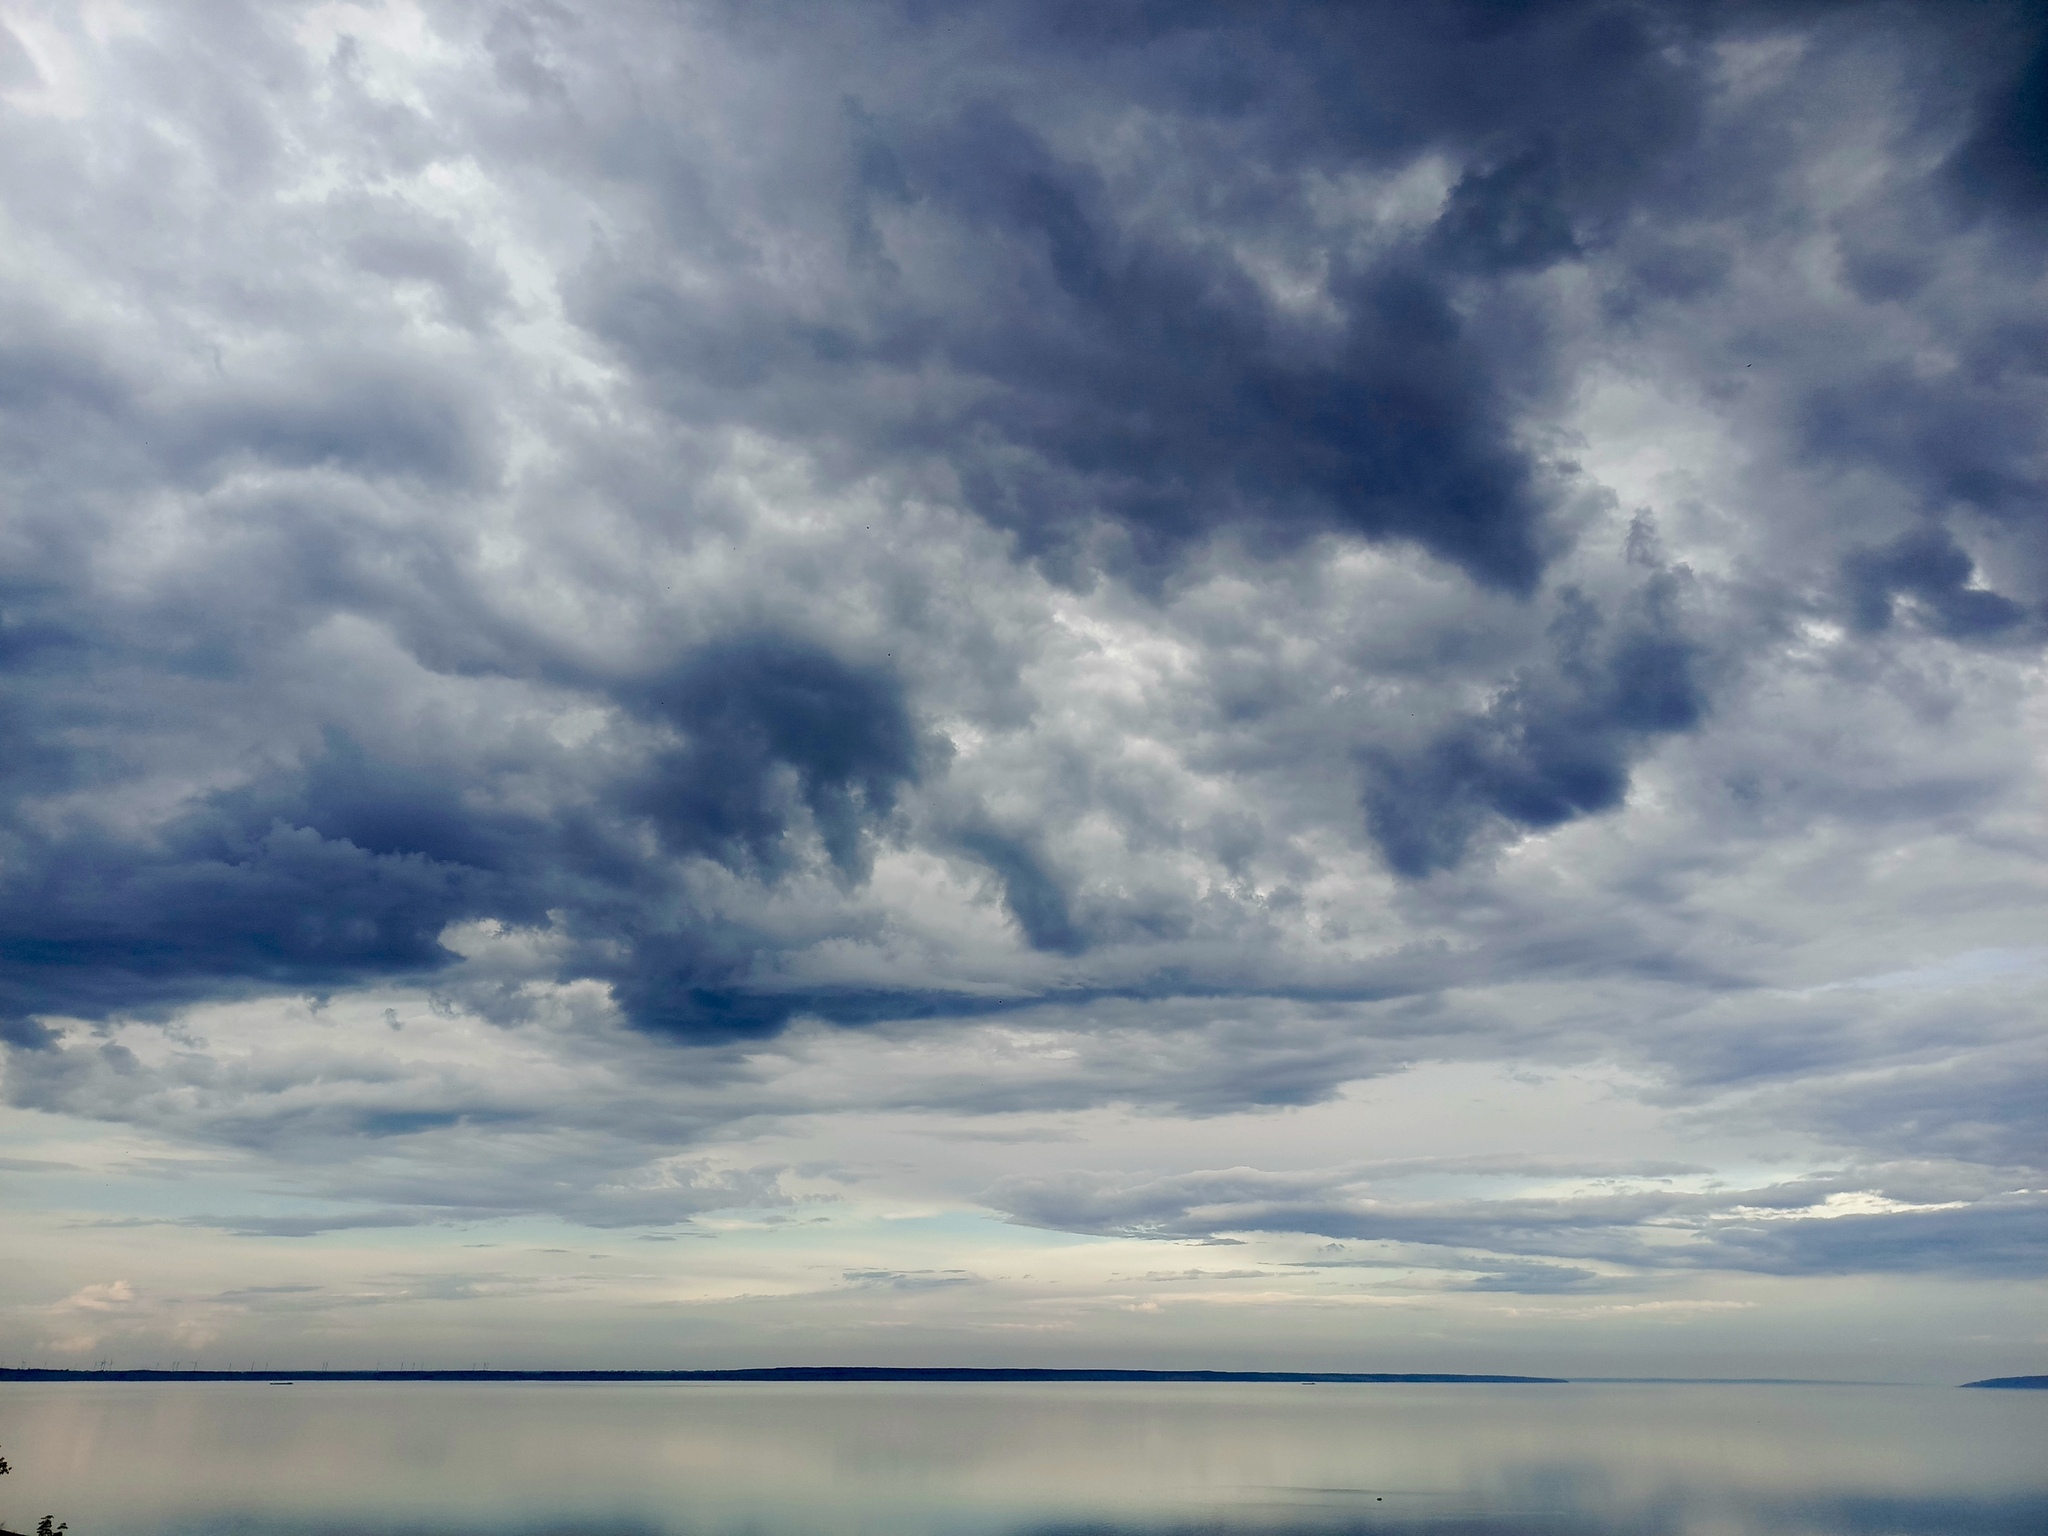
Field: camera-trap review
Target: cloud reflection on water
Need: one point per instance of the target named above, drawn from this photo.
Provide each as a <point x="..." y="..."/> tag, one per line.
<point x="1071" y="1459"/>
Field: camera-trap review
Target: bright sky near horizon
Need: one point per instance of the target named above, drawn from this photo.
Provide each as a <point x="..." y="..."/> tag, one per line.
<point x="1020" y="683"/>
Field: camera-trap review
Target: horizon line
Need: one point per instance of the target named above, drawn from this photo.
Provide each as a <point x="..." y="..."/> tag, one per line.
<point x="761" y="1373"/>
<point x="935" y="1374"/>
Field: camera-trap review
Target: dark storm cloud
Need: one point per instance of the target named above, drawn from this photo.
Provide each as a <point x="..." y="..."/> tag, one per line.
<point x="1926" y="565"/>
<point x="1034" y="898"/>
<point x="1081" y="342"/>
<point x="627" y="486"/>
<point x="1095" y="368"/>
<point x="1555" y="745"/>
<point x="2003" y="164"/>
<point x="752" y="704"/>
<point x="350" y="865"/>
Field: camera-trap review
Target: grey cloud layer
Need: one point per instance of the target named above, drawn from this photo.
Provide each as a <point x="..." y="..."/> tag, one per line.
<point x="923" y="512"/>
<point x="1780" y="1229"/>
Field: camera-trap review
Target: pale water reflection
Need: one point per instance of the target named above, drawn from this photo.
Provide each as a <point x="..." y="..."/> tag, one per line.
<point x="125" y="1459"/>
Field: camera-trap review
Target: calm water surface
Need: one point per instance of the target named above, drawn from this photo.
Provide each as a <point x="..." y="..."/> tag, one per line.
<point x="451" y="1459"/>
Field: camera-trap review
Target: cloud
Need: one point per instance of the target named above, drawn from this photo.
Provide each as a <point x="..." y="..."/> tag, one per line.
<point x="304" y="1226"/>
<point x="932" y="287"/>
<point x="1928" y="567"/>
<point x="1832" y="1226"/>
<point x="1007" y="562"/>
<point x="902" y="1280"/>
<point x="1556" y="744"/>
<point x="2002" y="163"/>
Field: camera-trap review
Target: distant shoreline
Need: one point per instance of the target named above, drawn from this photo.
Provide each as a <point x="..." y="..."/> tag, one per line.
<point x="888" y="1373"/>
<point x="778" y="1373"/>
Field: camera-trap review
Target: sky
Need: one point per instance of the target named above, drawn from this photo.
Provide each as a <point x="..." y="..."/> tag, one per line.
<point x="698" y="684"/>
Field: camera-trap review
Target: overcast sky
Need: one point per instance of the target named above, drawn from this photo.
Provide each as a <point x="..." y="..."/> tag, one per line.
<point x="1240" y="685"/>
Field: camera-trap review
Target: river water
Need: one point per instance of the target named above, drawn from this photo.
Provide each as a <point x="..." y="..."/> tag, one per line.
<point x="455" y="1459"/>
